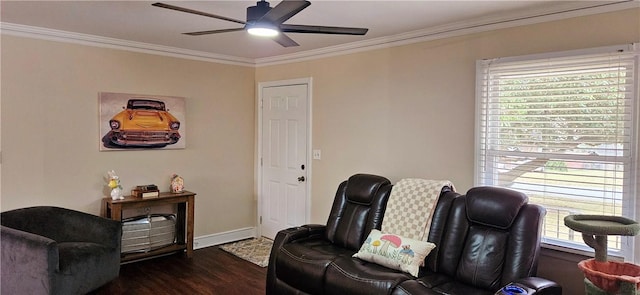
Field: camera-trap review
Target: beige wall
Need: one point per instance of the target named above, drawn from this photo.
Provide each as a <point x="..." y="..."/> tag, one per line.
<point x="409" y="111"/>
<point x="50" y="133"/>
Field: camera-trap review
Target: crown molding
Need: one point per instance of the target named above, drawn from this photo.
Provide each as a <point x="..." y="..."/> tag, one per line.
<point x="567" y="10"/>
<point x="105" y="42"/>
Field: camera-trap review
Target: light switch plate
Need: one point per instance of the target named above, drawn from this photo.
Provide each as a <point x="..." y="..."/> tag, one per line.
<point x="317" y="154"/>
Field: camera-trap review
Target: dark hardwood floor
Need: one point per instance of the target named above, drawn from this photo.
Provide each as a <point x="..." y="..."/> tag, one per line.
<point x="209" y="271"/>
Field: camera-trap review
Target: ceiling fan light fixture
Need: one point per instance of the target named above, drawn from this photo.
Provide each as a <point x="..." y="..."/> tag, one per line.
<point x="263" y="32"/>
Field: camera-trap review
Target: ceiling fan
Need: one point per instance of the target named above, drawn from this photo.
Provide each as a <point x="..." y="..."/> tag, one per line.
<point x="264" y="20"/>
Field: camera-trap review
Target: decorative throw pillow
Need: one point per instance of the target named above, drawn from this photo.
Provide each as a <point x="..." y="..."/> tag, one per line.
<point x="394" y="251"/>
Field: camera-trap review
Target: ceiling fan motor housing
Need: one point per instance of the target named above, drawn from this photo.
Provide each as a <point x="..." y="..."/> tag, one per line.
<point x="256" y="12"/>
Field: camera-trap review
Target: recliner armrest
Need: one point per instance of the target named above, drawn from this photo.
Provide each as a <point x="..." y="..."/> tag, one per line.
<point x="290" y="235"/>
<point x="287" y="236"/>
<point x="315" y="229"/>
<point x="539" y="286"/>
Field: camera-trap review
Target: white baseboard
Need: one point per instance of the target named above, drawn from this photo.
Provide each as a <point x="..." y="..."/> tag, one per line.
<point x="224" y="237"/>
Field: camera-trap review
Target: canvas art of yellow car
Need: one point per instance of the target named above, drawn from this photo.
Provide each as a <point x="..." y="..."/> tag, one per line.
<point x="143" y="123"/>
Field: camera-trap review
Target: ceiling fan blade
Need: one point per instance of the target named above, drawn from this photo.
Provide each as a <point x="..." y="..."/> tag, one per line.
<point x="284" y="11"/>
<point x="213" y="32"/>
<point x="187" y="10"/>
<point x="322" y="30"/>
<point x="285" y="41"/>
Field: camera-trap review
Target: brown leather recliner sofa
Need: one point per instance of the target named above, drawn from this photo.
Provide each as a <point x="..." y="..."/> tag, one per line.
<point x="485" y="240"/>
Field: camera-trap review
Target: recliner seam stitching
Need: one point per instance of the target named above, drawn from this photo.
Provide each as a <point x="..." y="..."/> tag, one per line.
<point x="296" y="257"/>
<point x="344" y="272"/>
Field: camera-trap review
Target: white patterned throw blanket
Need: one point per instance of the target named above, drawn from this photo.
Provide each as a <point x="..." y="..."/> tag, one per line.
<point x="410" y="206"/>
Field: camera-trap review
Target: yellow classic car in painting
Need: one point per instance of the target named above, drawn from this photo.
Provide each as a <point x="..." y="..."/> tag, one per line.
<point x="143" y="123"/>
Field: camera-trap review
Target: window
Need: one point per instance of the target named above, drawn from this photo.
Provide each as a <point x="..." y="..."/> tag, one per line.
<point x="562" y="128"/>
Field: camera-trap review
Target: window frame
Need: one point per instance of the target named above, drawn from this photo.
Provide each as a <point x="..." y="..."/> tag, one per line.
<point x="630" y="204"/>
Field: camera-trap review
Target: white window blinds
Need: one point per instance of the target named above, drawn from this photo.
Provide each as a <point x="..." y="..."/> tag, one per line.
<point x="562" y="130"/>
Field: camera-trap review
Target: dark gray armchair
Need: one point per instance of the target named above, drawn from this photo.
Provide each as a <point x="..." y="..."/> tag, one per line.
<point x="51" y="250"/>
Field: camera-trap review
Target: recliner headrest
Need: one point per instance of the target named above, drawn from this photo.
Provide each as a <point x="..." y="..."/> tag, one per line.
<point x="494" y="206"/>
<point x="361" y="188"/>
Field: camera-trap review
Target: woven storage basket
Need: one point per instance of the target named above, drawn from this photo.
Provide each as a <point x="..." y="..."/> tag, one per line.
<point x="608" y="275"/>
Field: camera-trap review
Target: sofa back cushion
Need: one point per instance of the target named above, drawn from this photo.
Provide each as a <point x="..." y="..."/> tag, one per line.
<point x="494" y="206"/>
<point x="439" y="221"/>
<point x="358" y="208"/>
<point x="491" y="238"/>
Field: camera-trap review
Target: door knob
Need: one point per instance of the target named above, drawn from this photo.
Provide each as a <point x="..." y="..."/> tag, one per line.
<point x="301" y="179"/>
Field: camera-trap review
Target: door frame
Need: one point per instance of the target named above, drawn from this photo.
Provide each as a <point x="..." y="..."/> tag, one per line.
<point x="259" y="143"/>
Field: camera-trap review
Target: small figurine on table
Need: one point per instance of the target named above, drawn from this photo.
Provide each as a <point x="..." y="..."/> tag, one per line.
<point x="114" y="185"/>
<point x="177" y="184"/>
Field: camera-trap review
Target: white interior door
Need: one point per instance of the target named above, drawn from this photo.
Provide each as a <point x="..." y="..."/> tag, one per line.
<point x="284" y="163"/>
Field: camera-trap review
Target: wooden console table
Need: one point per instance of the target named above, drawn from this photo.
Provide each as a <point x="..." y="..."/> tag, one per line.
<point x="184" y="219"/>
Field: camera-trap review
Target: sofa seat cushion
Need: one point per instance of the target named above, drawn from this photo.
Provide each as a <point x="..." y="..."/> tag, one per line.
<point x="347" y="275"/>
<point x="82" y="264"/>
<point x="302" y="264"/>
<point x="412" y="287"/>
<point x="455" y="287"/>
<point x="433" y="279"/>
<point x="433" y="283"/>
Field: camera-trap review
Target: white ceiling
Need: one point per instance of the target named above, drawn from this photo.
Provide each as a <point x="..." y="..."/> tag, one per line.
<point x="142" y="23"/>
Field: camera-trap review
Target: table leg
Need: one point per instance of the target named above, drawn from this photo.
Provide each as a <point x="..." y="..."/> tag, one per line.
<point x="190" y="217"/>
